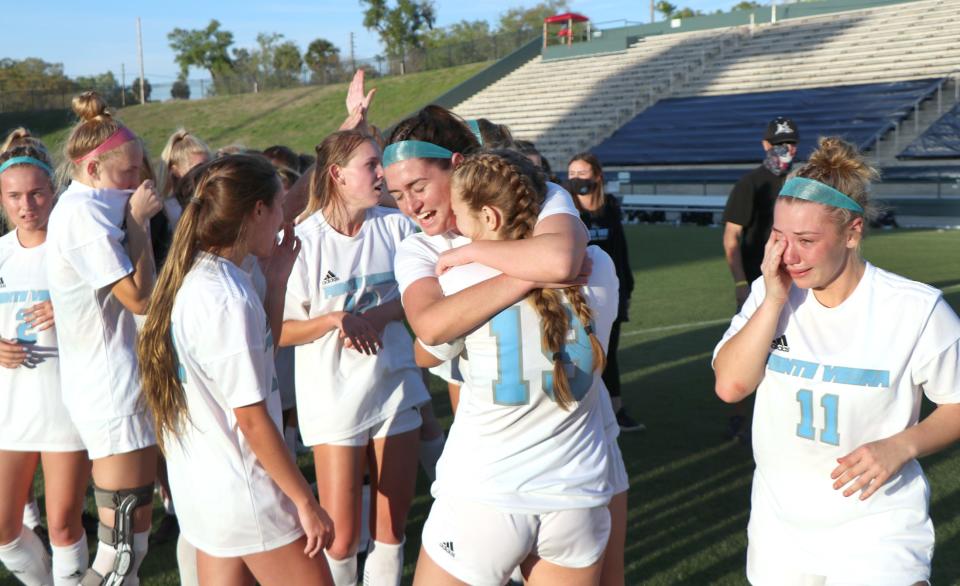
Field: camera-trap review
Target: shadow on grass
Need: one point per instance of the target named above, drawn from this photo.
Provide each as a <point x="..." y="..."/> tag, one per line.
<point x="690" y="487"/>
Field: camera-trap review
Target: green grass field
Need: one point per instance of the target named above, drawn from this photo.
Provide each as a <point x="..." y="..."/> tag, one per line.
<point x="298" y="118"/>
<point x="689" y="496"/>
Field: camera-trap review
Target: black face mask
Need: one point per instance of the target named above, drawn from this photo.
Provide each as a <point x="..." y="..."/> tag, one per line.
<point x="580" y="186"/>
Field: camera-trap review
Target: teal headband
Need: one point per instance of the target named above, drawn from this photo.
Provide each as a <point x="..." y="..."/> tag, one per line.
<point x="475" y="129"/>
<point x="413" y="149"/>
<point x="811" y="190"/>
<point x="26" y="161"/>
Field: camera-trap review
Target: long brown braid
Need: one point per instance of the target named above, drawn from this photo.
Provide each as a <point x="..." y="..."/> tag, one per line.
<point x="508" y="181"/>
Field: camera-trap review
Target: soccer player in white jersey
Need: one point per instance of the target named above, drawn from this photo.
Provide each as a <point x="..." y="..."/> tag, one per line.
<point x="523" y="479"/>
<point x="358" y="386"/>
<point x="100" y="273"/>
<point x="418" y="166"/>
<point x="840" y="353"/>
<point x="206" y="356"/>
<point x="34" y="424"/>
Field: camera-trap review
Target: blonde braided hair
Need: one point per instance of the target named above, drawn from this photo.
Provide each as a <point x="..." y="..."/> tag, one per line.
<point x="509" y="182"/>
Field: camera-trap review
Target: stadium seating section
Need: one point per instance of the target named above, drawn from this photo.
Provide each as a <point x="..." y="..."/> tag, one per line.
<point x="940" y="141"/>
<point x="568" y="105"/>
<point x="728" y="128"/>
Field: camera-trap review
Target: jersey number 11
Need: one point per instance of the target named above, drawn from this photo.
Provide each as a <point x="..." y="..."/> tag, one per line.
<point x="831" y="405"/>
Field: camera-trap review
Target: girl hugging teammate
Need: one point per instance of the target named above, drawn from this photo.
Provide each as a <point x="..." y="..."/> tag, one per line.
<point x="419" y="164"/>
<point x="840" y="353"/>
<point x="524" y="477"/>
<point x="357" y="385"/>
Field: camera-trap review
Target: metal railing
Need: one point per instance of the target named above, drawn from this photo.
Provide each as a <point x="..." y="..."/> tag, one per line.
<point x="913" y="111"/>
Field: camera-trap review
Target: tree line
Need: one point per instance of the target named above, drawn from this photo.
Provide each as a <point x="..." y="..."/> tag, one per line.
<point x="406" y="30"/>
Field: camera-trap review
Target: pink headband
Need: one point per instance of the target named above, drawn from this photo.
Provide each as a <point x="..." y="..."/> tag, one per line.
<point x="121" y="136"/>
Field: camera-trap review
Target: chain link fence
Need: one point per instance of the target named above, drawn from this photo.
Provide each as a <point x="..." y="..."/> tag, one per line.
<point x="410" y="60"/>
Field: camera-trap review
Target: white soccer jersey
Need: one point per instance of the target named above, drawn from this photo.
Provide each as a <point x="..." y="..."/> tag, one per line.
<point x="32" y="415"/>
<point x="835" y="379"/>
<point x="226" y="502"/>
<point x="417" y="256"/>
<point x="95" y="332"/>
<point x="511" y="446"/>
<point x="341" y="392"/>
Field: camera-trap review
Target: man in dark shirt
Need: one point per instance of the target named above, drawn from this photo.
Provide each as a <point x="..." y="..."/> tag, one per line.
<point x="748" y="219"/>
<point x="748" y="216"/>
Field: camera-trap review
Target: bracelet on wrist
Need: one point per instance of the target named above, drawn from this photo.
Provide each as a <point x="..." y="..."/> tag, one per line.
<point x="741" y="284"/>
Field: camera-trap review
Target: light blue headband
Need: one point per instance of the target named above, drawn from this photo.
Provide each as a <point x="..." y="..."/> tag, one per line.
<point x="26" y="161"/>
<point x="475" y="129"/>
<point x="413" y="149"/>
<point x="812" y="190"/>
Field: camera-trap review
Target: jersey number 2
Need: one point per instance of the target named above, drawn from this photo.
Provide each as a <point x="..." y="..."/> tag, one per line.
<point x="510" y="388"/>
<point x="831" y="405"/>
<point x="24" y="336"/>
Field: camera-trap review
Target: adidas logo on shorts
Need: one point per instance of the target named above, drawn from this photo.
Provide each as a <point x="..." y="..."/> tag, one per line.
<point x="329" y="278"/>
<point x="447" y="546"/>
<point x="780" y="344"/>
<point x="2" y="284"/>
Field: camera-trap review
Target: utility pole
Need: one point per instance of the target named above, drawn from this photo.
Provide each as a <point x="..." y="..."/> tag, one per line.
<point x="652" y="12"/>
<point x="140" y="51"/>
<point x="353" y="59"/>
<point x="123" y="85"/>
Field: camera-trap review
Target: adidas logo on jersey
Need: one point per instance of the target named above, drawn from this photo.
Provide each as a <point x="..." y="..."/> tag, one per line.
<point x="2" y="284"/>
<point x="780" y="344"/>
<point x="447" y="546"/>
<point x="329" y="278"/>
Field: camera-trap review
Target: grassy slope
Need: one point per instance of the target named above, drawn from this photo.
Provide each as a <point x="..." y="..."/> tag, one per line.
<point x="298" y="117"/>
<point x="690" y="490"/>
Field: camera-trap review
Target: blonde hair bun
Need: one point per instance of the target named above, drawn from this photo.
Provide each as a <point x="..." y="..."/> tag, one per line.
<point x="90" y="106"/>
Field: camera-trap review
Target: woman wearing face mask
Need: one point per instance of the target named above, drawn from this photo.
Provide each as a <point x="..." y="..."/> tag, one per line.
<point x="100" y="270"/>
<point x="840" y="353"/>
<point x="747" y="219"/>
<point x="601" y="214"/>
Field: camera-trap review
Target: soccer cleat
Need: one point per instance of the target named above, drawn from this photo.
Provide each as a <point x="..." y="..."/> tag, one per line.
<point x="628" y="423"/>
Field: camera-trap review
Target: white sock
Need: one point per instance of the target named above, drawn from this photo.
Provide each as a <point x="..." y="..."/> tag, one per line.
<point x="430" y="451"/>
<point x="384" y="565"/>
<point x="364" y="518"/>
<point x="290" y="438"/>
<point x="70" y="563"/>
<point x="141" y="542"/>
<point x="31" y="514"/>
<point x="27" y="559"/>
<point x="344" y="571"/>
<point x="187" y="562"/>
<point x="104" y="560"/>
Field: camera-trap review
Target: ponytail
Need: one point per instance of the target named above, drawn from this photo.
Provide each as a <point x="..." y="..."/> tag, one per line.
<point x="227" y="190"/>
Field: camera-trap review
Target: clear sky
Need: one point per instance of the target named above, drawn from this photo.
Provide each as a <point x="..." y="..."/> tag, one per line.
<point x="94" y="37"/>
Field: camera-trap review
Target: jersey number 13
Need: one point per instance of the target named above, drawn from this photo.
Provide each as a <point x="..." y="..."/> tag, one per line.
<point x="510" y="388"/>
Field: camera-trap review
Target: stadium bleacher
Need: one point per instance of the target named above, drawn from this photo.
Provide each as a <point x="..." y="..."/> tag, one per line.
<point x="569" y="105"/>
<point x="727" y="128"/>
<point x="940" y="141"/>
